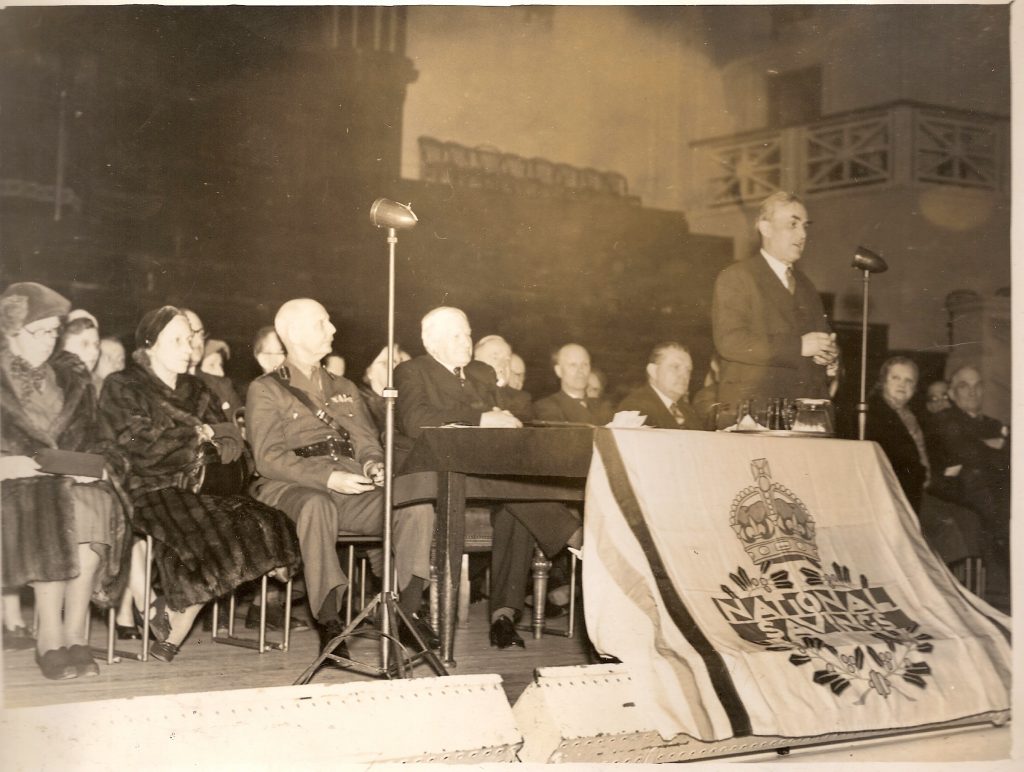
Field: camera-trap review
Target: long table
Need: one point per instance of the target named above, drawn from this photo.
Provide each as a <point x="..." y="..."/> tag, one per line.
<point x="453" y="465"/>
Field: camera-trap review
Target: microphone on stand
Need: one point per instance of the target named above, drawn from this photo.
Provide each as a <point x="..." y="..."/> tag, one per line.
<point x="386" y="213"/>
<point x="869" y="262"/>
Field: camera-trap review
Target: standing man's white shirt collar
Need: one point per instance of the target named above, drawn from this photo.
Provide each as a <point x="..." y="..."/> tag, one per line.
<point x="778" y="268"/>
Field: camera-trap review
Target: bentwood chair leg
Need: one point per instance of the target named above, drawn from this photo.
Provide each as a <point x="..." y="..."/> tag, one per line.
<point x="349" y="590"/>
<point x="263" y="614"/>
<point x="571" y="632"/>
<point x="111" y="630"/>
<point x="147" y="588"/>
<point x="541" y="568"/>
<point x="462" y="615"/>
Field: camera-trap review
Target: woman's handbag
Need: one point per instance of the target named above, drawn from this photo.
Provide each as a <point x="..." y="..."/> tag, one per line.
<point x="219" y="479"/>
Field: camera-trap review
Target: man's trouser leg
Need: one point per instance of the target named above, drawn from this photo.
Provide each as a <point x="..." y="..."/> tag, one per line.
<point x="511" y="557"/>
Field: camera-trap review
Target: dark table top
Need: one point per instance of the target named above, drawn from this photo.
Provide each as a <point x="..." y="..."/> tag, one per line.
<point x="552" y="451"/>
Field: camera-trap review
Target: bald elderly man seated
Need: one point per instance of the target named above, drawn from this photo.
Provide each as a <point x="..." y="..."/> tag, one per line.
<point x="320" y="461"/>
<point x="444" y="386"/>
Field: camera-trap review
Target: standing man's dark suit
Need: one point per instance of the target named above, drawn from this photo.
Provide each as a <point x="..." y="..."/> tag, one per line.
<point x="429" y="394"/>
<point x="561" y="407"/>
<point x="757" y="326"/>
<point x="646" y="401"/>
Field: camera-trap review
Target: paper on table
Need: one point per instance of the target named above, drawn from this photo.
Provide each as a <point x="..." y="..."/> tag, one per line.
<point x="627" y="419"/>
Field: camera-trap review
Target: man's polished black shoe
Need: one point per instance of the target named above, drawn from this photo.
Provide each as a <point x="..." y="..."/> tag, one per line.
<point x="425" y="631"/>
<point x="504" y="635"/>
<point x="329" y="632"/>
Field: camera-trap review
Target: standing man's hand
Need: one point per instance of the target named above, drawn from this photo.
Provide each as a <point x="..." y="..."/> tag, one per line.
<point x="819" y="345"/>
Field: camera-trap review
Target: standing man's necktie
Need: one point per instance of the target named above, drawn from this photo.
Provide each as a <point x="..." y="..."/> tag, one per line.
<point x="677" y="414"/>
<point x="790" y="280"/>
<point x="460" y="376"/>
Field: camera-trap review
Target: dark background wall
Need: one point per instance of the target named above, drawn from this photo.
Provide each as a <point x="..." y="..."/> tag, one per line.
<point x="226" y="159"/>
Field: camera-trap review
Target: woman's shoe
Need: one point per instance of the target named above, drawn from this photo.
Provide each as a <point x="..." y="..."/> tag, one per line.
<point x="159" y="622"/>
<point x="56" y="665"/>
<point x="128" y="633"/>
<point x="18" y="638"/>
<point x="82" y="660"/>
<point x="165" y="651"/>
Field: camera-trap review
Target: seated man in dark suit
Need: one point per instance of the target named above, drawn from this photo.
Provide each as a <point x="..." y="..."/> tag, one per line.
<point x="970" y="459"/>
<point x="321" y="463"/>
<point x="570" y="404"/>
<point x="445" y="387"/>
<point x="495" y="351"/>
<point x="663" y="399"/>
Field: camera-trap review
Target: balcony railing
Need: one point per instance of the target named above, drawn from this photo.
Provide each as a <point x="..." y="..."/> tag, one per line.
<point x="902" y="144"/>
<point x="487" y="167"/>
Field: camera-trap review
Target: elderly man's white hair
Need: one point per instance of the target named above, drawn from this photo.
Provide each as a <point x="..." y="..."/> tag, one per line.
<point x="436" y="322"/>
<point x="490" y="340"/>
<point x="291" y="311"/>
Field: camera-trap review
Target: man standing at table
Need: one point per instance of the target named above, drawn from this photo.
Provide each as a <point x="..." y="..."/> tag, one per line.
<point x="320" y="462"/>
<point x="663" y="400"/>
<point x="444" y="386"/>
<point x="570" y="404"/>
<point x="769" y="326"/>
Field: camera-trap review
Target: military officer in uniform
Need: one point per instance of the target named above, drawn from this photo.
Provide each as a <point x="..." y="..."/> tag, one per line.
<point x="320" y="461"/>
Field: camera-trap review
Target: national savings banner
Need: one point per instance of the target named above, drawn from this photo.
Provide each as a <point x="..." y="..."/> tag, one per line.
<point x="767" y="585"/>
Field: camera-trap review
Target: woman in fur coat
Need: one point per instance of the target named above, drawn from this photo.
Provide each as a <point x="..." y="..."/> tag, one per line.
<point x="168" y="422"/>
<point x="64" y="535"/>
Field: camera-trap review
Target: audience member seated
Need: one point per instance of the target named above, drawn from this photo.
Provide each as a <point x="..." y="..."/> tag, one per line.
<point x="220" y="385"/>
<point x="215" y="354"/>
<point x="495" y="351"/>
<point x="516" y="372"/>
<point x="375" y="380"/>
<point x="937" y="397"/>
<point x="570" y="404"/>
<point x="892" y="425"/>
<point x="267" y="349"/>
<point x="444" y="386"/>
<point x="111" y="361"/>
<point x="663" y="399"/>
<point x="970" y="455"/>
<point x="320" y="461"/>
<point x="81" y="337"/>
<point x="335" y="365"/>
<point x="178" y="439"/>
<point x="64" y="535"/>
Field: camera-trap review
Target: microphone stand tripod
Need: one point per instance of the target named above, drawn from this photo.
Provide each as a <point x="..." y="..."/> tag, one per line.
<point x="385" y="603"/>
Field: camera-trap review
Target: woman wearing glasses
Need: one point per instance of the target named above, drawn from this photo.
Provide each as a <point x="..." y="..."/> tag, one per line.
<point x="64" y="534"/>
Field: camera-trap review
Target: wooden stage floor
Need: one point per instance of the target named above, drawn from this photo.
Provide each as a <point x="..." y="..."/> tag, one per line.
<point x="204" y="666"/>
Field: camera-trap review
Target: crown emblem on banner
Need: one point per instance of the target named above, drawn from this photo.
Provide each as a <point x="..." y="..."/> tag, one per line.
<point x="771" y="522"/>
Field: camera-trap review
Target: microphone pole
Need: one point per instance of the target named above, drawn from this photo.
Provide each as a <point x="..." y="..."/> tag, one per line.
<point x="869" y="262"/>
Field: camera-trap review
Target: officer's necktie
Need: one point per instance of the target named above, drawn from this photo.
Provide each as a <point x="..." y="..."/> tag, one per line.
<point x="790" y="280"/>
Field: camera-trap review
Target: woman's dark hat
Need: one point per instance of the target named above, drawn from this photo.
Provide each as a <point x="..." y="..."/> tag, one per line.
<point x="25" y="302"/>
<point x="152" y="324"/>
